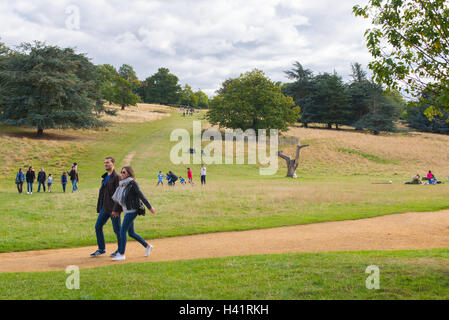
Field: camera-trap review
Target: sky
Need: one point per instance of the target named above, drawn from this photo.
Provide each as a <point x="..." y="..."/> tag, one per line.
<point x="203" y="42"/>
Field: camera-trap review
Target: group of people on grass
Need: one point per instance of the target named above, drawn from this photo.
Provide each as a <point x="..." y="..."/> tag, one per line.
<point x="46" y="181"/>
<point x="173" y="178"/>
<point x="430" y="178"/>
<point x="186" y="111"/>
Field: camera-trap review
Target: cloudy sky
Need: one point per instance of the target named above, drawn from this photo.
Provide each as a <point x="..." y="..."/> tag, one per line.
<point x="203" y="42"/>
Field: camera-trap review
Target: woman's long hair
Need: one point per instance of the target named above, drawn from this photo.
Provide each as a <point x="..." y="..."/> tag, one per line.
<point x="130" y="172"/>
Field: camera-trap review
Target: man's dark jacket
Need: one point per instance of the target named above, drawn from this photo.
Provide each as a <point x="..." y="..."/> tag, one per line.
<point x="41" y="177"/>
<point x="105" y="201"/>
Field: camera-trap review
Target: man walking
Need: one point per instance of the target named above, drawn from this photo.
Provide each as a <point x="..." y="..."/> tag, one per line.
<point x="41" y="179"/>
<point x="105" y="206"/>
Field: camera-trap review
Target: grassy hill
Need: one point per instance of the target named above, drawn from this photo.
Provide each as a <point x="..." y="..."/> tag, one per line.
<point x="335" y="181"/>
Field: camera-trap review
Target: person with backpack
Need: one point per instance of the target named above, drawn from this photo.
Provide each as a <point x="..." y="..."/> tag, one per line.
<point x="41" y="179"/>
<point x="64" y="181"/>
<point x="20" y="179"/>
<point x="30" y="177"/>
<point x="127" y="198"/>
<point x="74" y="178"/>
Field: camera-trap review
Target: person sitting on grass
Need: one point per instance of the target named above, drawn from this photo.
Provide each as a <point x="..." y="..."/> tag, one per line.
<point x="431" y="178"/>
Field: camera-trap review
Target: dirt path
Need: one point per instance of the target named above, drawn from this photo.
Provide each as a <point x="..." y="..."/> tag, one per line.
<point x="394" y="232"/>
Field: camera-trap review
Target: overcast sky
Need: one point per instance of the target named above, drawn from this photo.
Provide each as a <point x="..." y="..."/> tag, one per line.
<point x="203" y="42"/>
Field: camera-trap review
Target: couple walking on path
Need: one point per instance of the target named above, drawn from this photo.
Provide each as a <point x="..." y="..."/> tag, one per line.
<point x="120" y="193"/>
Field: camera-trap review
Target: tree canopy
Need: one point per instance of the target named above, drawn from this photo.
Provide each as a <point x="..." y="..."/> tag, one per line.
<point x="410" y="45"/>
<point x="49" y="87"/>
<point x="161" y="88"/>
<point x="252" y="101"/>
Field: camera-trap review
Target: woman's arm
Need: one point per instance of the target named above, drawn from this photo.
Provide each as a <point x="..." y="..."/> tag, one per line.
<point x="142" y="196"/>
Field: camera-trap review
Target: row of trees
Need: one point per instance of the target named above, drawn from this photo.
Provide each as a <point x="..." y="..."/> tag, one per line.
<point x="326" y="98"/>
<point x="50" y="87"/>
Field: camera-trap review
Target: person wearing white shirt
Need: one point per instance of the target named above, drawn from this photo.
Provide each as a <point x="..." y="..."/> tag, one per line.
<point x="203" y="175"/>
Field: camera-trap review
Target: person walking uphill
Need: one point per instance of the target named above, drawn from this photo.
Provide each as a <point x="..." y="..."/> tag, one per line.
<point x="20" y="179"/>
<point x="127" y="198"/>
<point x="30" y="177"/>
<point x="105" y="206"/>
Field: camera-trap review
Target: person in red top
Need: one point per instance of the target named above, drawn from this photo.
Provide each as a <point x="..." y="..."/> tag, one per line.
<point x="431" y="177"/>
<point x="190" y="176"/>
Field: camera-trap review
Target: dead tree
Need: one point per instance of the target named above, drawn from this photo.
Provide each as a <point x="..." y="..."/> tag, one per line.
<point x="292" y="164"/>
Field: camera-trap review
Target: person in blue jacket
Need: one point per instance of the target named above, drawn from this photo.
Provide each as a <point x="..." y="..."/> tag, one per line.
<point x="20" y="179"/>
<point x="64" y="181"/>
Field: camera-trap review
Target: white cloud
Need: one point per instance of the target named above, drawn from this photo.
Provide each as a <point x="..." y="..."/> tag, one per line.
<point x="204" y="42"/>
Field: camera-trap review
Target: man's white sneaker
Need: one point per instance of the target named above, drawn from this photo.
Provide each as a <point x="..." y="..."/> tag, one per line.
<point x="119" y="257"/>
<point x="148" y="250"/>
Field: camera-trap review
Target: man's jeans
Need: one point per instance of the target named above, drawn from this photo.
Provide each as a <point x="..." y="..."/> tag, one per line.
<point x="29" y="186"/>
<point x="39" y="187"/>
<point x="101" y="221"/>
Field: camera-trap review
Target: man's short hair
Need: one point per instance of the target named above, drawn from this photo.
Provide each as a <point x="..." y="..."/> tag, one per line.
<point x="110" y="158"/>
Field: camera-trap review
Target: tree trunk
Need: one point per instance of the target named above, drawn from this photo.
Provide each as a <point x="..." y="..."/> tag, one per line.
<point x="292" y="164"/>
<point x="336" y="126"/>
<point x="40" y="132"/>
<point x="306" y="125"/>
<point x="123" y="107"/>
<point x="329" y="125"/>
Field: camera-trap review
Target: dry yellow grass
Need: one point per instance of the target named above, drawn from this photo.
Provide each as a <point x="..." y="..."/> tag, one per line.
<point x="141" y="113"/>
<point x="409" y="153"/>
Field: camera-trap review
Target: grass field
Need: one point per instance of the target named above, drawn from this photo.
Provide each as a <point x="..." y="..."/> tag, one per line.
<point x="403" y="275"/>
<point x="236" y="198"/>
<point x="336" y="182"/>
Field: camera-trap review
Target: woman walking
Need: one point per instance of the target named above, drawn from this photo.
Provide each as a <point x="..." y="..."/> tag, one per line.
<point x="20" y="179"/>
<point x="74" y="178"/>
<point x="127" y="199"/>
<point x="30" y="177"/>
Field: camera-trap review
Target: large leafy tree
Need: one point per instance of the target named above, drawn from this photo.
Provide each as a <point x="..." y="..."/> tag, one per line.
<point x="410" y="45"/>
<point x="107" y="75"/>
<point x="252" y="101"/>
<point x="188" y="97"/>
<point x="203" y="99"/>
<point x="123" y="94"/>
<point x="127" y="72"/>
<point x="49" y="87"/>
<point x="162" y="88"/>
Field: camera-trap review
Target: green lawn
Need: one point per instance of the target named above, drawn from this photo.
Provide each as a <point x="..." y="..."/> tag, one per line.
<point x="236" y="198"/>
<point x="403" y="275"/>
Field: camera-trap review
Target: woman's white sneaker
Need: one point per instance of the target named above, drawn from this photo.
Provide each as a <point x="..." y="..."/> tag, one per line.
<point x="148" y="250"/>
<point x="119" y="257"/>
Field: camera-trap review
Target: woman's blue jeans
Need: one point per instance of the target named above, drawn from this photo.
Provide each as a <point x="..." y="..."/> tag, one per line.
<point x="128" y="227"/>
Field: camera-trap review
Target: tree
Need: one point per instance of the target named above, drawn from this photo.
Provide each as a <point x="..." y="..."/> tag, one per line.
<point x="252" y="101"/>
<point x="203" y="99"/>
<point x="127" y="72"/>
<point x="162" y="88"/>
<point x="188" y="97"/>
<point x="49" y="87"/>
<point x="383" y="112"/>
<point x="107" y="75"/>
<point x="410" y="45"/>
<point x="417" y="118"/>
<point x="301" y="90"/>
<point x="292" y="164"/>
<point x="123" y="93"/>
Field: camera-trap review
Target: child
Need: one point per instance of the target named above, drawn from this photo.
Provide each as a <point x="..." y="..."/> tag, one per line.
<point x="182" y="180"/>
<point x="160" y="179"/>
<point x="64" y="181"/>
<point x="49" y="182"/>
<point x="190" y="176"/>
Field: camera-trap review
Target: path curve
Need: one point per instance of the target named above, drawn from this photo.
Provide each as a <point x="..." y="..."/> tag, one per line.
<point x="425" y="230"/>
